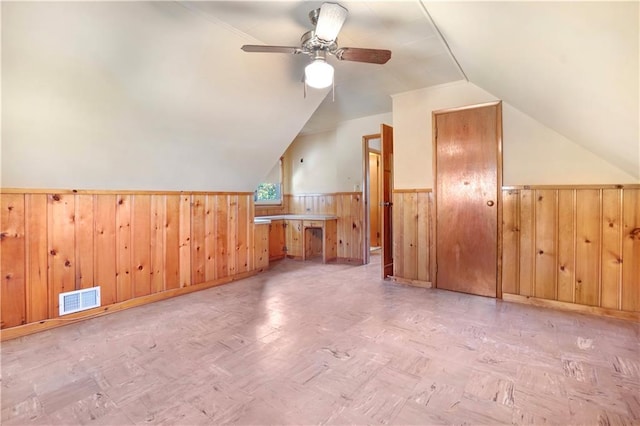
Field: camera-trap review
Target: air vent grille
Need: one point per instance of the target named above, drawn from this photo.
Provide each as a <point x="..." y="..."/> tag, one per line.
<point x="79" y="300"/>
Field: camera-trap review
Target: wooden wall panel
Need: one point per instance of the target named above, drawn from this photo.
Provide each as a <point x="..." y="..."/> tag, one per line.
<point x="222" y="258"/>
<point x="198" y="235"/>
<point x="399" y="232"/>
<point x="243" y="238"/>
<point x="545" y="243"/>
<point x="423" y="241"/>
<point x="588" y="229"/>
<point x="631" y="251"/>
<point x="261" y="251"/>
<point x="527" y="241"/>
<point x="566" y="245"/>
<point x="595" y="232"/>
<point x="12" y="262"/>
<point x="158" y="242"/>
<point x="105" y="270"/>
<point x="510" y="242"/>
<point x="61" y="231"/>
<point x="210" y="238"/>
<point x="84" y="234"/>
<point x="124" y="290"/>
<point x="36" y="278"/>
<point x="185" y="241"/>
<point x="232" y="234"/>
<point x="611" y="248"/>
<point x="141" y="245"/>
<point x="172" y="242"/>
<point x="131" y="244"/>
<point x="412" y="224"/>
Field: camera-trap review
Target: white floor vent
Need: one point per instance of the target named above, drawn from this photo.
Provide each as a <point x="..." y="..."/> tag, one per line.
<point x="79" y="300"/>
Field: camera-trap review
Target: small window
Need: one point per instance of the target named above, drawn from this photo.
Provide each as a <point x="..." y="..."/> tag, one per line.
<point x="270" y="191"/>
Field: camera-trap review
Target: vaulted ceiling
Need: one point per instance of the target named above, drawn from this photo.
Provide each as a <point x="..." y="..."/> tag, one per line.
<point x="114" y="75"/>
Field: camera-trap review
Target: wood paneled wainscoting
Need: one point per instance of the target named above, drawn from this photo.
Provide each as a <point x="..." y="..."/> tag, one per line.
<point x="139" y="247"/>
<point x="347" y="206"/>
<point x="570" y="247"/>
<point x="573" y="247"/>
<point x="413" y="236"/>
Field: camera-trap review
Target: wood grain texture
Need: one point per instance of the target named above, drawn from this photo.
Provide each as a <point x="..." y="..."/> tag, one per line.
<point x="198" y="238"/>
<point x="510" y="241"/>
<point x="588" y="229"/>
<point x="466" y="152"/>
<point x="141" y="246"/>
<point x="185" y="241"/>
<point x="61" y="231"/>
<point x="527" y="240"/>
<point x="631" y="251"/>
<point x="210" y="238"/>
<point x="124" y="290"/>
<point x="412" y="236"/>
<point x="545" y="243"/>
<point x="36" y="279"/>
<point x="347" y="206"/>
<point x="611" y="248"/>
<point x="595" y="234"/>
<point x="12" y="262"/>
<point x="132" y="245"/>
<point x="105" y="254"/>
<point x="566" y="245"/>
<point x="158" y="242"/>
<point x="84" y="244"/>
<point x="172" y="243"/>
<point x="261" y="251"/>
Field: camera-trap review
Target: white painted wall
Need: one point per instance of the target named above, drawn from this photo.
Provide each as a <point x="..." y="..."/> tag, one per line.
<point x="311" y="165"/>
<point x="532" y="153"/>
<point x="333" y="159"/>
<point x="140" y="95"/>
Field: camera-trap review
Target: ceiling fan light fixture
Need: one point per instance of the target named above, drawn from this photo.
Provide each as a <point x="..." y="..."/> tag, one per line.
<point x="318" y="74"/>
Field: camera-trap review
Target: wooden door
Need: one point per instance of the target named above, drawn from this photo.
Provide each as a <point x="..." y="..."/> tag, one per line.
<point x="468" y="178"/>
<point x="374" y="199"/>
<point x="386" y="196"/>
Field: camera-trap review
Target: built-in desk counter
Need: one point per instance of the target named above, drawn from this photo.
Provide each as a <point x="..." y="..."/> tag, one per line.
<point x="304" y="236"/>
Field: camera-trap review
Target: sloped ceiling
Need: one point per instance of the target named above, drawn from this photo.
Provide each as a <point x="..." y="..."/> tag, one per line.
<point x="158" y="95"/>
<point x="133" y="95"/>
<point x="572" y="66"/>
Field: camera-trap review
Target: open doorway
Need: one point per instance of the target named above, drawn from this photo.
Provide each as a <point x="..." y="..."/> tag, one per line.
<point x="381" y="144"/>
<point x="371" y="188"/>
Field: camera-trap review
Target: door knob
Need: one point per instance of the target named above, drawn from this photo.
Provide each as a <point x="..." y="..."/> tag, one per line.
<point x="490" y="203"/>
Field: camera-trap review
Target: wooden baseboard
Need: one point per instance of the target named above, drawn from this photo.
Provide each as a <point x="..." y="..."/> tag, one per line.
<point x="595" y="310"/>
<point x="34" y="327"/>
<point x="413" y="283"/>
<point x="271" y="259"/>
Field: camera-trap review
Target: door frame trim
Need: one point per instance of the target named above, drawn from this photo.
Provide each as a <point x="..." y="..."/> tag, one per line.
<point x="434" y="145"/>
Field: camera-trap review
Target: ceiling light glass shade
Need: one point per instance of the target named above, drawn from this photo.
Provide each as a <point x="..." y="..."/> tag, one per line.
<point x="318" y="74"/>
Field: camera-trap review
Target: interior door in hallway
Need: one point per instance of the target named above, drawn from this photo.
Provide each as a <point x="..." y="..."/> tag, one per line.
<point x="386" y="196"/>
<point x="374" y="199"/>
<point x="468" y="178"/>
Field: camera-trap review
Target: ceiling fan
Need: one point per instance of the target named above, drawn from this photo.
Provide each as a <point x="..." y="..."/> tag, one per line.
<point x="322" y="41"/>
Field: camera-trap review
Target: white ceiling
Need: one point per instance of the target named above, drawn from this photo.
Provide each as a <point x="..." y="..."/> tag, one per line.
<point x="419" y="57"/>
<point x="172" y="74"/>
<point x="573" y="66"/>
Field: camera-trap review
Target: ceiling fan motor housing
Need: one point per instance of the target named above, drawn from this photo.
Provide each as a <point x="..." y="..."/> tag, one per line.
<point x="311" y="44"/>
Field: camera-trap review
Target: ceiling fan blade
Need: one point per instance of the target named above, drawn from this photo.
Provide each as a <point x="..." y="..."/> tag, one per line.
<point x="270" y="49"/>
<point x="372" y="56"/>
<point x="330" y="21"/>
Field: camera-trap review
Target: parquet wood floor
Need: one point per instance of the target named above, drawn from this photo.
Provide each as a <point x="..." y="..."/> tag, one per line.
<point x="326" y="344"/>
